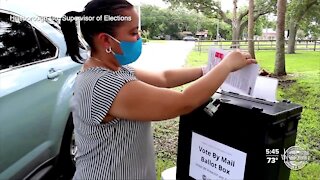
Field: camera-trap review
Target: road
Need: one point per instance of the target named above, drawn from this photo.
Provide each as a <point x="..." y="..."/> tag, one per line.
<point x="157" y="56"/>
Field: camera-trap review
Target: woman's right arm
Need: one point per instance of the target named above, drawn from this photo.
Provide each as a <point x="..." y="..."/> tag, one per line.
<point x="140" y="101"/>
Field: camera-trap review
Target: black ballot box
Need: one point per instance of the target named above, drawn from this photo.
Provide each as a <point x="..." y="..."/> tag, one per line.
<point x="237" y="137"/>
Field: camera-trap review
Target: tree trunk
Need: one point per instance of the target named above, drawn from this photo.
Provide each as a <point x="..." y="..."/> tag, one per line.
<point x="293" y="28"/>
<point x="235" y="26"/>
<point x="295" y="19"/>
<point x="236" y="32"/>
<point x="250" y="29"/>
<point x="280" y="68"/>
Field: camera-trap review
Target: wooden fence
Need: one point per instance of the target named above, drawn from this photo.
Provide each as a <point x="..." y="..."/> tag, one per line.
<point x="307" y="45"/>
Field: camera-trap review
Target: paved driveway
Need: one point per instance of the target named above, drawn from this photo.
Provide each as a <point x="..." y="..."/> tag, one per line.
<point x="166" y="55"/>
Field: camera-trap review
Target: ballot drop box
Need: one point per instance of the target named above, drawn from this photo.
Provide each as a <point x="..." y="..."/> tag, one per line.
<point x="236" y="137"/>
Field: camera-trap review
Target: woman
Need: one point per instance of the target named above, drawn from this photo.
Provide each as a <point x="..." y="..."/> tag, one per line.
<point x="113" y="103"/>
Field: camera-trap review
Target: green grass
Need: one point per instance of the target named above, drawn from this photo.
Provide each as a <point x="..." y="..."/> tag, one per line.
<point x="196" y="59"/>
<point x="302" y="61"/>
<point x="309" y="172"/>
<point x="301" y="86"/>
<point x="163" y="164"/>
<point x="165" y="140"/>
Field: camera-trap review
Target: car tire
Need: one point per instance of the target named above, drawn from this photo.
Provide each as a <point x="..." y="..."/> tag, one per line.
<point x="65" y="163"/>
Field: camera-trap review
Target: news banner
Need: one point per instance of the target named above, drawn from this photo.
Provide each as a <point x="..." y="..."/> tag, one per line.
<point x="294" y="157"/>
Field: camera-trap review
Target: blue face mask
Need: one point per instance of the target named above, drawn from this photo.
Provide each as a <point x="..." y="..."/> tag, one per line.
<point x="131" y="51"/>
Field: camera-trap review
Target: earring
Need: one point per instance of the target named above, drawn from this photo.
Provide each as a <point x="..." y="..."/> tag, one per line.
<point x="108" y="50"/>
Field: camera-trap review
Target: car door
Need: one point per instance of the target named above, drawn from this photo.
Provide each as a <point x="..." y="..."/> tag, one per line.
<point x="31" y="77"/>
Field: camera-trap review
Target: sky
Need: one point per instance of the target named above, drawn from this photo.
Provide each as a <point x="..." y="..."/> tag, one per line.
<point x="60" y="7"/>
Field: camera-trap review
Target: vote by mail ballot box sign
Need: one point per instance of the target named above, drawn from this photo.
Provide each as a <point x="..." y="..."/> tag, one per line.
<point x="210" y="159"/>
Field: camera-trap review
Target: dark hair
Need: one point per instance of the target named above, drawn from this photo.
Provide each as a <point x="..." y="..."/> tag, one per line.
<point x="89" y="28"/>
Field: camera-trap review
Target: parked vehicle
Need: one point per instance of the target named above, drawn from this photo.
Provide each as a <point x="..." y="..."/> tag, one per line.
<point x="190" y="38"/>
<point x="36" y="79"/>
<point x="159" y="37"/>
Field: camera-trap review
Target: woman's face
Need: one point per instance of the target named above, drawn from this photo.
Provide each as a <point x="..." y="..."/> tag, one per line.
<point x="127" y="31"/>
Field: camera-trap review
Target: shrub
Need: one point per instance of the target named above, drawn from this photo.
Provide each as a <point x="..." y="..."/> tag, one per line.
<point x="144" y="40"/>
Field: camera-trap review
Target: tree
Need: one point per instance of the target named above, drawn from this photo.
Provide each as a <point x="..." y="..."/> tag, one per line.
<point x="235" y="25"/>
<point x="212" y="8"/>
<point x="296" y="11"/>
<point x="261" y="24"/>
<point x="311" y="22"/>
<point x="152" y="19"/>
<point x="145" y="34"/>
<point x="280" y="68"/>
<point x="300" y="34"/>
<point x="251" y="28"/>
<point x="160" y="22"/>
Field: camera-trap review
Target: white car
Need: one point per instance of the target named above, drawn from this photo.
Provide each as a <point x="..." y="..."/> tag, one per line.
<point x="190" y="38"/>
<point x="36" y="79"/>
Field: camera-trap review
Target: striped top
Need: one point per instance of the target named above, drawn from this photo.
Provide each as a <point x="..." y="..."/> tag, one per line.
<point x="119" y="149"/>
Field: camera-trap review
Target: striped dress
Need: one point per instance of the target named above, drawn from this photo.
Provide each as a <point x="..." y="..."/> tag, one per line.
<point x="119" y="149"/>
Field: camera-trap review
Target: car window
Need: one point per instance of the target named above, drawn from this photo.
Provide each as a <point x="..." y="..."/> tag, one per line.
<point x="20" y="43"/>
<point x="46" y="48"/>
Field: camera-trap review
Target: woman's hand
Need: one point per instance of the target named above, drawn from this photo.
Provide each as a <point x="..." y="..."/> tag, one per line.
<point x="236" y="60"/>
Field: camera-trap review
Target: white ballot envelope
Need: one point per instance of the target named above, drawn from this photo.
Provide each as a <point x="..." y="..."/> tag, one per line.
<point x="244" y="81"/>
<point x="266" y="88"/>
